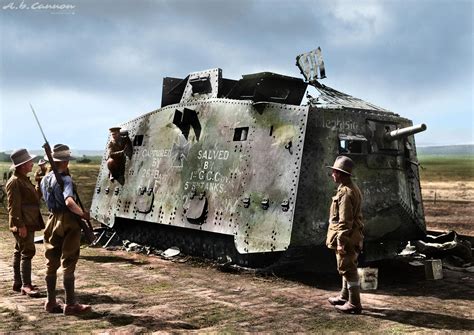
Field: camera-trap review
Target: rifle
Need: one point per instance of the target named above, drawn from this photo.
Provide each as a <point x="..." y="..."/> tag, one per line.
<point x="86" y="228"/>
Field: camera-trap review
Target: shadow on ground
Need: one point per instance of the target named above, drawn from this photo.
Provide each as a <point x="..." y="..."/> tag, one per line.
<point x="421" y="319"/>
<point x="146" y="322"/>
<point x="113" y="259"/>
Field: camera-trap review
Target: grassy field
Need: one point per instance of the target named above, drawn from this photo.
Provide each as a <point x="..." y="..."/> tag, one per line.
<point x="447" y="168"/>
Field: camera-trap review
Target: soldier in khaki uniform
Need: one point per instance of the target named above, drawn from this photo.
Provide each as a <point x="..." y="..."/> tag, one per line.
<point x="24" y="218"/>
<point x="40" y="173"/>
<point x="62" y="236"/>
<point x="345" y="234"/>
<point x="118" y="149"/>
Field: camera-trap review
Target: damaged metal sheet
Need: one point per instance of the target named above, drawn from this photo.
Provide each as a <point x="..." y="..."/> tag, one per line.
<point x="455" y="252"/>
<point x="331" y="98"/>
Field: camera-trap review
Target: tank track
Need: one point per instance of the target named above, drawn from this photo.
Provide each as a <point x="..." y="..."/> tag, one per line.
<point x="198" y="243"/>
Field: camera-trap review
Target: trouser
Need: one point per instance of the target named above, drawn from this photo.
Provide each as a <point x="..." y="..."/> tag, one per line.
<point x="347" y="267"/>
<point x="22" y="256"/>
<point x="62" y="241"/>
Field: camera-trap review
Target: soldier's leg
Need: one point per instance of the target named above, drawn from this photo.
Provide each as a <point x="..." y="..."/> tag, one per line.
<point x="27" y="246"/>
<point x="52" y="253"/>
<point x="53" y="261"/>
<point x="70" y="256"/>
<point x="343" y="296"/>
<point x="16" y="267"/>
<point x="71" y="249"/>
<point x="347" y="266"/>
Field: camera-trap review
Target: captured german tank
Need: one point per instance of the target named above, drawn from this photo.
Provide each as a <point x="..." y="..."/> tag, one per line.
<point x="237" y="168"/>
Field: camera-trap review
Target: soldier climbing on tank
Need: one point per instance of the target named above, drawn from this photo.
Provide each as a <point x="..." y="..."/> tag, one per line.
<point x="119" y="147"/>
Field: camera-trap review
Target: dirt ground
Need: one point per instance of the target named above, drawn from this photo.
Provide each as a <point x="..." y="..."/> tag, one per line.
<point x="133" y="293"/>
<point x="449" y="206"/>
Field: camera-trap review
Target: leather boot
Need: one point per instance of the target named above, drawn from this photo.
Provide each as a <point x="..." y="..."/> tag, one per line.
<point x="51" y="288"/>
<point x="68" y="282"/>
<point x="54" y="306"/>
<point x="341" y="299"/>
<point x="26" y="271"/>
<point x="353" y="306"/>
<point x="30" y="291"/>
<point x="76" y="309"/>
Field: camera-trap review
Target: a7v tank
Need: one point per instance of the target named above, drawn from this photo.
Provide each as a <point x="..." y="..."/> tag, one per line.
<point x="236" y="168"/>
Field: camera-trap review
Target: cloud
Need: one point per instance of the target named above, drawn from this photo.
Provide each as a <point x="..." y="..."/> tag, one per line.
<point x="414" y="58"/>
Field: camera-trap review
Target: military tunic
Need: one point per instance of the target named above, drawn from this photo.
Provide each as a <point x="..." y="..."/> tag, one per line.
<point x="346" y="228"/>
<point x="23" y="212"/>
<point x="23" y="204"/>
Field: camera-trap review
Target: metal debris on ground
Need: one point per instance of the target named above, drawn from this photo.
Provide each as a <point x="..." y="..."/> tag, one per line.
<point x="171" y="252"/>
<point x="455" y="252"/>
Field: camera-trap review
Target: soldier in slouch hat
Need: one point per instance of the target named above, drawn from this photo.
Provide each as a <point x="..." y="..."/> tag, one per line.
<point x="345" y="234"/>
<point x="24" y="218"/>
<point x="62" y="236"/>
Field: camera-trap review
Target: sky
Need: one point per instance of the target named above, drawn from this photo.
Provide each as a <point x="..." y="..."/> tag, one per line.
<point x="87" y="65"/>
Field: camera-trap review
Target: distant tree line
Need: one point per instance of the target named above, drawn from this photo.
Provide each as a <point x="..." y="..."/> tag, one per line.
<point x="4" y="157"/>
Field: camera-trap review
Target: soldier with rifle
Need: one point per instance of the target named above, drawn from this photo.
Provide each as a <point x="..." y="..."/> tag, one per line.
<point x="62" y="236"/>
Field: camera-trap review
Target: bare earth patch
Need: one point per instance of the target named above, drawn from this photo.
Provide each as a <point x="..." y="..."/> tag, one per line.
<point x="452" y="208"/>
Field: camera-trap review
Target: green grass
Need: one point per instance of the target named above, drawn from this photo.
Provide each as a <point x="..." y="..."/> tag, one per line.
<point x="446" y="168"/>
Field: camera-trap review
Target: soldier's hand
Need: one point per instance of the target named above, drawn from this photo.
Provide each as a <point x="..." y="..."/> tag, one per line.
<point x="86" y="215"/>
<point x="340" y="249"/>
<point x="22" y="232"/>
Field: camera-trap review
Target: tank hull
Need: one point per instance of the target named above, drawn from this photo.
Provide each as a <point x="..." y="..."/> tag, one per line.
<point x="247" y="175"/>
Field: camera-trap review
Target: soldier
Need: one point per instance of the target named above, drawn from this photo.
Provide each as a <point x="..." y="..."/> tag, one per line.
<point x="24" y="218"/>
<point x="40" y="173"/>
<point x="118" y="148"/>
<point x="62" y="236"/>
<point x="345" y="235"/>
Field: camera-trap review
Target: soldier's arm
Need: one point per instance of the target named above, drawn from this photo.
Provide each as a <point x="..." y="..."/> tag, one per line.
<point x="74" y="207"/>
<point x="112" y="151"/>
<point x="71" y="204"/>
<point x="14" y="208"/>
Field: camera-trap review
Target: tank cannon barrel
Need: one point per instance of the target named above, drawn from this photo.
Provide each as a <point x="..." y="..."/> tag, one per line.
<point x="404" y="132"/>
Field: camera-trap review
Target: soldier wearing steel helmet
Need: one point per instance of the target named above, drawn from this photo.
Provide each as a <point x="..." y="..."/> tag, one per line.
<point x="345" y="234"/>
<point x="24" y="218"/>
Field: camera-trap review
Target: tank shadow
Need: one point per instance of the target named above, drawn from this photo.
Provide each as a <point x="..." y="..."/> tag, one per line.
<point x="395" y="278"/>
<point x="113" y="259"/>
<point x="421" y="319"/>
<point x="149" y="323"/>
